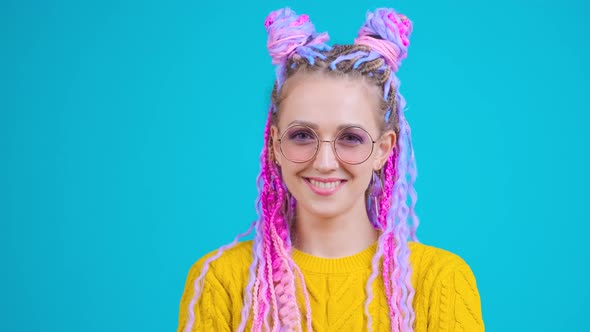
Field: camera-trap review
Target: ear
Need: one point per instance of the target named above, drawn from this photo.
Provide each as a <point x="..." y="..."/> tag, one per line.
<point x="383" y="148"/>
<point x="276" y="148"/>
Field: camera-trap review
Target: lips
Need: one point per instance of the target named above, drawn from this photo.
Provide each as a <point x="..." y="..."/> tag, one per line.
<point x="324" y="187"/>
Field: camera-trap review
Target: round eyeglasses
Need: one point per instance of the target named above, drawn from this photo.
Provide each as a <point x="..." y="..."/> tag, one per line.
<point x="352" y="145"/>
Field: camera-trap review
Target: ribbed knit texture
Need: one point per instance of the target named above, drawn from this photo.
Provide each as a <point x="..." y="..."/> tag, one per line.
<point x="446" y="297"/>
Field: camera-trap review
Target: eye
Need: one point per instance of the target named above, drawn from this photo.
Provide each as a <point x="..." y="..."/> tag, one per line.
<point x="300" y="136"/>
<point x="351" y="139"/>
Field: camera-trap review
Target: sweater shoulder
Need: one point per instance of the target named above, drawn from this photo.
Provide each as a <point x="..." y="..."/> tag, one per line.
<point x="430" y="265"/>
<point x="431" y="261"/>
<point x="238" y="252"/>
<point x="226" y="261"/>
<point x="446" y="289"/>
<point x="221" y="288"/>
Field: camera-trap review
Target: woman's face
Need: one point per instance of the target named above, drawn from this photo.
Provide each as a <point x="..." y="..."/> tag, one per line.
<point x="325" y="187"/>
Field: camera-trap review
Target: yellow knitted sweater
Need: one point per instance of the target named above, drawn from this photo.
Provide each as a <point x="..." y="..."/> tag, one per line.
<point x="446" y="297"/>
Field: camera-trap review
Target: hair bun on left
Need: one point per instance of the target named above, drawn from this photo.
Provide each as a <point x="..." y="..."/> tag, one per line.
<point x="289" y="32"/>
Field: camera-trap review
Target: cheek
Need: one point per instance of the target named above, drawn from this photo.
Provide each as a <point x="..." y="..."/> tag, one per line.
<point x="289" y="170"/>
<point x="364" y="175"/>
<point x="290" y="174"/>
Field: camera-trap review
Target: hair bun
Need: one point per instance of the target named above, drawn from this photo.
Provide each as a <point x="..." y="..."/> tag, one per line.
<point x="287" y="32"/>
<point x="388" y="33"/>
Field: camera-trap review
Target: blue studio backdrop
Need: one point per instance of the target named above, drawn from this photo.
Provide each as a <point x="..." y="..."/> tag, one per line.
<point x="130" y="133"/>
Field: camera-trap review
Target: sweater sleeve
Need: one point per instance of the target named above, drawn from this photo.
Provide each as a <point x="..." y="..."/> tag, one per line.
<point x="212" y="311"/>
<point x="456" y="306"/>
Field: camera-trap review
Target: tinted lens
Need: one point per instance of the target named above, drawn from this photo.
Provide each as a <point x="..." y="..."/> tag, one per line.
<point x="354" y="145"/>
<point x="299" y="144"/>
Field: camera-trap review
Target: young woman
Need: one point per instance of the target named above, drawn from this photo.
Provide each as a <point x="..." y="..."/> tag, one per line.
<point x="335" y="245"/>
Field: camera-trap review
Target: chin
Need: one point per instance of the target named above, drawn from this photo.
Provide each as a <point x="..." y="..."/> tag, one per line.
<point x="324" y="211"/>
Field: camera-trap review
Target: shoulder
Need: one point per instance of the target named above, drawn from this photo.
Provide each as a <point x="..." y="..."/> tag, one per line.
<point x="445" y="283"/>
<point x="219" y="276"/>
<point x="241" y="252"/>
<point x="433" y="260"/>
<point x="431" y="266"/>
<point x="223" y="264"/>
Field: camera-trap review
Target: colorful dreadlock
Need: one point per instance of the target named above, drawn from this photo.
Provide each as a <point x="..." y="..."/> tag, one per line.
<point x="270" y="295"/>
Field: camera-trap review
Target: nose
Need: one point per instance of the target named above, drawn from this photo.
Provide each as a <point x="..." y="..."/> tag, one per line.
<point x="325" y="159"/>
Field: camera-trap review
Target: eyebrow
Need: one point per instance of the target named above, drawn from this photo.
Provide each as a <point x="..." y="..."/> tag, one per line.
<point x="316" y="127"/>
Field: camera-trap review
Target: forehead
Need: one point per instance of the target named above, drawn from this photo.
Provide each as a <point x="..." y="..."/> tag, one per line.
<point x="329" y="103"/>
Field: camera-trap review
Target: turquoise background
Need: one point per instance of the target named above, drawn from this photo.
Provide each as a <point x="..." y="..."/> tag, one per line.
<point x="130" y="134"/>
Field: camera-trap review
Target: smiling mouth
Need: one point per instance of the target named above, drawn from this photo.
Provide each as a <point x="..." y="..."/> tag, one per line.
<point x="325" y="187"/>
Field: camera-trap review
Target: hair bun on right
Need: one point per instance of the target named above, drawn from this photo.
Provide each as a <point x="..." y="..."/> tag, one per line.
<point x="388" y="33"/>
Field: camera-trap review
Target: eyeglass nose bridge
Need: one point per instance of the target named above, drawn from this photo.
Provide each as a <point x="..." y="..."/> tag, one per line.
<point x="333" y="144"/>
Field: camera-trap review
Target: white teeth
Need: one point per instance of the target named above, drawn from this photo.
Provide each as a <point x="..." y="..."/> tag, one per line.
<point x="324" y="185"/>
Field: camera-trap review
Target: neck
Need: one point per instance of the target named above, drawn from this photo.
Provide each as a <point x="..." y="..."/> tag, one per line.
<point x="338" y="236"/>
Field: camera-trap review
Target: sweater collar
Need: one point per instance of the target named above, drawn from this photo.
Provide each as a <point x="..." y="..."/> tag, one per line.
<point x="360" y="261"/>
